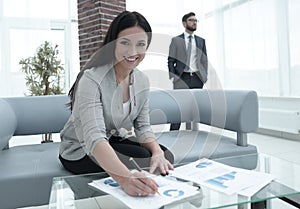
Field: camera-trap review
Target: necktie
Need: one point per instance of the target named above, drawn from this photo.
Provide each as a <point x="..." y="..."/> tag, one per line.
<point x="189" y="50"/>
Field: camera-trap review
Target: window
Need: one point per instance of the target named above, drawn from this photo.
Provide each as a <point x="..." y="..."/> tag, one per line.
<point x="250" y="37"/>
<point x="294" y="43"/>
<point x="251" y="44"/>
<point x="53" y="9"/>
<point x="29" y="40"/>
<point x="25" y="27"/>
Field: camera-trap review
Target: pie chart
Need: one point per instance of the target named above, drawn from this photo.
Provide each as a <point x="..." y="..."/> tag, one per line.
<point x="173" y="193"/>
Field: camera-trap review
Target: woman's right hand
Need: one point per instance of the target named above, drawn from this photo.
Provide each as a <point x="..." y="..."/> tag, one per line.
<point x="139" y="185"/>
<point x="134" y="184"/>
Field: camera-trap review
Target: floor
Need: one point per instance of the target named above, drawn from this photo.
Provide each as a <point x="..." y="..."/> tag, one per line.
<point x="279" y="147"/>
<point x="283" y="148"/>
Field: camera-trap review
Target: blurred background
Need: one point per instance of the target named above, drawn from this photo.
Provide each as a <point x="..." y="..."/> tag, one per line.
<point x="251" y="44"/>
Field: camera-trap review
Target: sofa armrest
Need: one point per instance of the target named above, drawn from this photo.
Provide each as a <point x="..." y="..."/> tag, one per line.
<point x="8" y="123"/>
<point x="233" y="110"/>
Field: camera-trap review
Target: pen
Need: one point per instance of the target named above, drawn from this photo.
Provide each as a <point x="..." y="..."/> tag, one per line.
<point x="137" y="167"/>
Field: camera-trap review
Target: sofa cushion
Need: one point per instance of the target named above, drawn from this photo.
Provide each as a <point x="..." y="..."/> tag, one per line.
<point x="190" y="146"/>
<point x="30" y="173"/>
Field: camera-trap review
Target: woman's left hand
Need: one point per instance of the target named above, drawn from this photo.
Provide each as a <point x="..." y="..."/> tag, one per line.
<point x="158" y="161"/>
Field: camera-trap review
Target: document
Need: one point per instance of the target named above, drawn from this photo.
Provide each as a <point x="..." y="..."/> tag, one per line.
<point x="223" y="178"/>
<point x="169" y="191"/>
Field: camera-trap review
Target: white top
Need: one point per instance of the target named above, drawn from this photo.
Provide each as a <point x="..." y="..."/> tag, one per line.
<point x="126" y="108"/>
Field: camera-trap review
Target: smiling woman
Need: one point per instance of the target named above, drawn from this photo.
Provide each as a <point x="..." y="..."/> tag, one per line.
<point x="109" y="97"/>
<point x="130" y="51"/>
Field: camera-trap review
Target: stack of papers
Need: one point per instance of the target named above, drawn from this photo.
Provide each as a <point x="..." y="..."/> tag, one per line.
<point x="204" y="172"/>
<point x="223" y="178"/>
<point x="169" y="192"/>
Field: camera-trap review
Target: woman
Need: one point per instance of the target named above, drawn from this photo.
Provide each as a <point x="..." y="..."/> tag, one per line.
<point x="109" y="97"/>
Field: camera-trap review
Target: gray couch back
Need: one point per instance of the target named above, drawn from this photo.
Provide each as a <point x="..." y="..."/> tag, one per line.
<point x="229" y="109"/>
<point x="232" y="110"/>
<point x="32" y="115"/>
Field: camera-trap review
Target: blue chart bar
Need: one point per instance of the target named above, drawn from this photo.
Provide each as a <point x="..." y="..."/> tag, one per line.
<point x="220" y="180"/>
<point x="203" y="165"/>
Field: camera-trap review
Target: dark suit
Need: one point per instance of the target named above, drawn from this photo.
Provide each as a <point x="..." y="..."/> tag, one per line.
<point x="176" y="64"/>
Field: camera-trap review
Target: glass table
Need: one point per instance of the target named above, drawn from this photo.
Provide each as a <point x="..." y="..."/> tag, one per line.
<point x="70" y="192"/>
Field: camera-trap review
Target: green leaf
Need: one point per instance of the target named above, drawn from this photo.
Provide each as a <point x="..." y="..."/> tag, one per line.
<point x="43" y="69"/>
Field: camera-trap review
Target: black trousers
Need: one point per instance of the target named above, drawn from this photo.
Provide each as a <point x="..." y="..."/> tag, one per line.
<point x="186" y="81"/>
<point x="124" y="148"/>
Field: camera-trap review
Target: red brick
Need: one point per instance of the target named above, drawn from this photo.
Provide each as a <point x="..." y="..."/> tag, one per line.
<point x="94" y="18"/>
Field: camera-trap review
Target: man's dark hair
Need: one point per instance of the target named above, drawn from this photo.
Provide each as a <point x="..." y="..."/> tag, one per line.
<point x="186" y="16"/>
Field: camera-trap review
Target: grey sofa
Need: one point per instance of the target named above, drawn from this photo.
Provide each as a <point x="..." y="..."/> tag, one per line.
<point x="26" y="172"/>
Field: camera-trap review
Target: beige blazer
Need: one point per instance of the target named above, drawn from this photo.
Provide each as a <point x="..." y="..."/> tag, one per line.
<point x="98" y="111"/>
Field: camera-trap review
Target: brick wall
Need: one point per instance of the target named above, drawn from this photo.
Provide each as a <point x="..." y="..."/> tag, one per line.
<point x="94" y="18"/>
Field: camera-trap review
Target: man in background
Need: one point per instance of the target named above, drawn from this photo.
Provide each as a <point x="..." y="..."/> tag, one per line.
<point x="187" y="60"/>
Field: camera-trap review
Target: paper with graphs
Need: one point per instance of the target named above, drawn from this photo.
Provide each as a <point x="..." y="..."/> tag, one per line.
<point x="223" y="178"/>
<point x="170" y="191"/>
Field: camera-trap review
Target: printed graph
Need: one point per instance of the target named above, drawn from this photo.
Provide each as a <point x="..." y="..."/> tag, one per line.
<point x="204" y="165"/>
<point x="111" y="182"/>
<point x="175" y="193"/>
<point x="220" y="181"/>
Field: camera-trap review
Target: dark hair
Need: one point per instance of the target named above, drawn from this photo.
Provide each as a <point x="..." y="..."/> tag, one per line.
<point x="105" y="54"/>
<point x="186" y="16"/>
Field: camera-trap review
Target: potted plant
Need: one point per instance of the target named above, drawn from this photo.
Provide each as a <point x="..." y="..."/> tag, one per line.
<point x="43" y="74"/>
